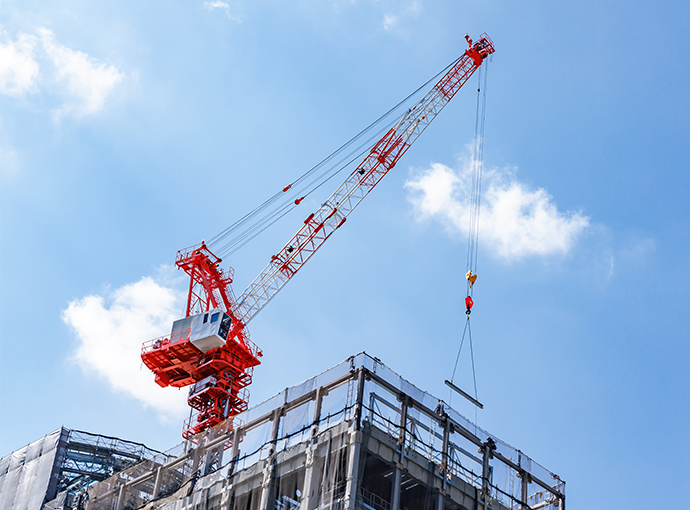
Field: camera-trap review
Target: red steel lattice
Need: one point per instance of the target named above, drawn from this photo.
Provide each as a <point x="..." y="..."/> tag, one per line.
<point x="220" y="376"/>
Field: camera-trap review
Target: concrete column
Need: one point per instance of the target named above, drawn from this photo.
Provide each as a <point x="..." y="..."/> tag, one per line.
<point x="225" y="498"/>
<point x="440" y="501"/>
<point x="268" y="489"/>
<point x="355" y="446"/>
<point x="397" y="474"/>
<point x="267" y="486"/>
<point x="444" y="469"/>
<point x="311" y="477"/>
<point x="395" y="491"/>
<point x="486" y="449"/>
<point x="353" y="469"/>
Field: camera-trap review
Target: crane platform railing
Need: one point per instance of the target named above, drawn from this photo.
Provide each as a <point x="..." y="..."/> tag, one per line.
<point x="162" y="341"/>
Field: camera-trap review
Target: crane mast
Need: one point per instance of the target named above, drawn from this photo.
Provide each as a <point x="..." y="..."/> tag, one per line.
<point x="210" y="349"/>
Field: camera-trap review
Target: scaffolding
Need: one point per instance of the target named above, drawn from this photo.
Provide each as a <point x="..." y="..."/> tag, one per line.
<point x="59" y="467"/>
<point x="356" y="437"/>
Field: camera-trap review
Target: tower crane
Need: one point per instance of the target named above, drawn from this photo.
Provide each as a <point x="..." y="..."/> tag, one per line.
<point x="209" y="349"/>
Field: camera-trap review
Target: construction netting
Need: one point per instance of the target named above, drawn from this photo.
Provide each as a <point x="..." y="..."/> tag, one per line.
<point x="357" y="435"/>
<point x="424" y="434"/>
<point x="28" y="474"/>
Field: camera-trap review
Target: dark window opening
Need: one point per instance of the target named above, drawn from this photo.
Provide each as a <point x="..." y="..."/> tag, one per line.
<point x="289" y="491"/>
<point x="334" y="479"/>
<point x="225" y="327"/>
<point x="248" y="501"/>
<point x="449" y="504"/>
<point x="415" y="495"/>
<point x="377" y="483"/>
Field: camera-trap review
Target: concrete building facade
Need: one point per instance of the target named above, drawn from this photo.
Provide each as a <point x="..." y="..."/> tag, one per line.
<point x="356" y="437"/>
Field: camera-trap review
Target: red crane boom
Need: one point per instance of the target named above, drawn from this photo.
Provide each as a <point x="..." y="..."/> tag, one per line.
<point x="210" y="348"/>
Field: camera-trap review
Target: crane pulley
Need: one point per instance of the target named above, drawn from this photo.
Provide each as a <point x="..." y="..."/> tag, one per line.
<point x="210" y="348"/>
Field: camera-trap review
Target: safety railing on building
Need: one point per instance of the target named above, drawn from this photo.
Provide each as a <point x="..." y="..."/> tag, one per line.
<point x="389" y="403"/>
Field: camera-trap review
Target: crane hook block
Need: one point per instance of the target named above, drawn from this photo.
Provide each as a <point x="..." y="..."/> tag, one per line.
<point x="471" y="278"/>
<point x="469" y="303"/>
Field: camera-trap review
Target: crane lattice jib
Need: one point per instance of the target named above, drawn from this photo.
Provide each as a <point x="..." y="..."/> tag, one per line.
<point x="381" y="159"/>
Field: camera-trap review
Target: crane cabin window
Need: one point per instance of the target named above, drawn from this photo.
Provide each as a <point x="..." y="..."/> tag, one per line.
<point x="215" y="316"/>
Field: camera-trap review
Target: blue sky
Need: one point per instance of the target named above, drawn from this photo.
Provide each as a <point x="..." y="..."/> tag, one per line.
<point x="130" y="130"/>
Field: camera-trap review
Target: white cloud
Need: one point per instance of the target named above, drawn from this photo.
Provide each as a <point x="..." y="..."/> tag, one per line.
<point x="18" y="68"/>
<point x="407" y="10"/>
<point x="111" y="329"/>
<point x="389" y="21"/>
<point x="515" y="221"/>
<point x="36" y="63"/>
<point x="414" y="8"/>
<point x="89" y="82"/>
<point x="230" y="12"/>
<point x="216" y="5"/>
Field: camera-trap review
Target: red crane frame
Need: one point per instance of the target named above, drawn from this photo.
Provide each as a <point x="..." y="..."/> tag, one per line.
<point x="220" y="376"/>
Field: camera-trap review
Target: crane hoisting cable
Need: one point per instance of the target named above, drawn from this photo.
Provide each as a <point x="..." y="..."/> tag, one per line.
<point x="476" y="165"/>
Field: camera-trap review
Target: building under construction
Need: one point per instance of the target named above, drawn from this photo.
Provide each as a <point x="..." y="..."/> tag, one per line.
<point x="356" y="437"/>
<point x="55" y="471"/>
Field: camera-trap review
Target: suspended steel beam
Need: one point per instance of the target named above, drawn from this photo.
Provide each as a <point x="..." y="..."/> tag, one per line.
<point x="467" y="396"/>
